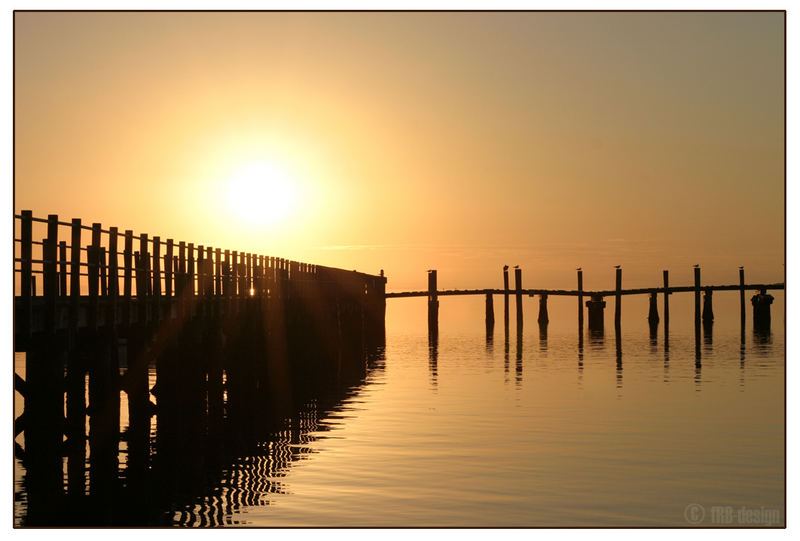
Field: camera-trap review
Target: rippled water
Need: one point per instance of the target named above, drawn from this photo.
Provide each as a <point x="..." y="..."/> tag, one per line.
<point x="531" y="431"/>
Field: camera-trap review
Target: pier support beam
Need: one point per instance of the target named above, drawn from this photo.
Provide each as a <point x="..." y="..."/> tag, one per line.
<point x="433" y="304"/>
<point x="596" y="306"/>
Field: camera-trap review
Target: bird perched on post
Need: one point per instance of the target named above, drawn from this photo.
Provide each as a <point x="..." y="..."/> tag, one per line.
<point x="617" y="266"/>
<point x="505" y="267"/>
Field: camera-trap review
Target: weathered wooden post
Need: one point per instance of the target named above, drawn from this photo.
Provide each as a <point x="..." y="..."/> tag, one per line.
<point x="75" y="380"/>
<point x="44" y="399"/>
<point x="543" y="317"/>
<point x="595" y="306"/>
<point x="708" y="308"/>
<point x="62" y="268"/>
<point x="580" y="298"/>
<point x="127" y="260"/>
<point x="518" y="294"/>
<point x="652" y="315"/>
<point x="697" y="298"/>
<point x="741" y="301"/>
<point x="761" y="311"/>
<point x="505" y="296"/>
<point x="157" y="278"/>
<point x="433" y="304"/>
<point x="489" y="315"/>
<point x="666" y="300"/>
<point x="618" y="299"/>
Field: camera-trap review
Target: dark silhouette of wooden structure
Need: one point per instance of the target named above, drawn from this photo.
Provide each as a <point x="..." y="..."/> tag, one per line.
<point x="596" y="304"/>
<point x="233" y="340"/>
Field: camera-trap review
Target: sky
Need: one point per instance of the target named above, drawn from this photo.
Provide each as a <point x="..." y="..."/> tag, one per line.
<point x="413" y="141"/>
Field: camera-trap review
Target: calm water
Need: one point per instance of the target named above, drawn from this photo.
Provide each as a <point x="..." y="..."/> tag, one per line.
<point x="534" y="431"/>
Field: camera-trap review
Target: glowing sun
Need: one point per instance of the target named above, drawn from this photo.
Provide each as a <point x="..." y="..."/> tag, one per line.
<point x="260" y="193"/>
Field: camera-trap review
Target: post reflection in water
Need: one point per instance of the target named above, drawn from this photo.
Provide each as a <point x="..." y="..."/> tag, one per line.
<point x="518" y="378"/>
<point x="506" y="350"/>
<point x="543" y="337"/>
<point x="433" y="357"/>
<point x="618" y="345"/>
<point x="708" y="336"/>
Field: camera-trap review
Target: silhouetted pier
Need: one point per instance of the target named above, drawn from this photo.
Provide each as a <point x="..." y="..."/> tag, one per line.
<point x="234" y="340"/>
<point x="596" y="303"/>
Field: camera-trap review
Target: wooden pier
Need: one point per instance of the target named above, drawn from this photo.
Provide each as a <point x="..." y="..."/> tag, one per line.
<point x="596" y="304"/>
<point x="231" y="337"/>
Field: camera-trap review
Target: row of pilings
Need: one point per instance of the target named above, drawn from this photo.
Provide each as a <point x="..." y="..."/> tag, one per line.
<point x="210" y="353"/>
<point x="596" y="303"/>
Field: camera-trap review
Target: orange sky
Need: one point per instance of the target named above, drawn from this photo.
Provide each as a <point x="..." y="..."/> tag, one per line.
<point x="409" y="141"/>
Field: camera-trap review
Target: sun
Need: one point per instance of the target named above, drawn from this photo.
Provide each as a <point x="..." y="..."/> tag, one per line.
<point x="261" y="193"/>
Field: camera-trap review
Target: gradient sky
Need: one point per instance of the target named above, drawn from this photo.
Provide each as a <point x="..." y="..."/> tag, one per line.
<point x="410" y="141"/>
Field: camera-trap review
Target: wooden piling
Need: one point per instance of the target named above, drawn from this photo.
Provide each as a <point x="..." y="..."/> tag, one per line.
<point x="518" y="294"/>
<point x="618" y="300"/>
<point x="433" y="304"/>
<point x="697" y="298"/>
<point x="741" y="299"/>
<point x="666" y="300"/>
<point x="543" y="319"/>
<point x="708" y="306"/>
<point x="580" y="298"/>
<point x="652" y="313"/>
<point x="505" y="296"/>
<point x="489" y="313"/>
